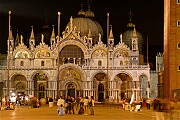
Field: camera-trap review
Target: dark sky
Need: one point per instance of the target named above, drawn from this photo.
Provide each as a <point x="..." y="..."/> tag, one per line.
<point x="148" y="17"/>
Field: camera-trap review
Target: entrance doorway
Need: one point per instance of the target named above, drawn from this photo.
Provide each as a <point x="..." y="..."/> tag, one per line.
<point x="100" y="92"/>
<point x="71" y="90"/>
<point x="41" y="91"/>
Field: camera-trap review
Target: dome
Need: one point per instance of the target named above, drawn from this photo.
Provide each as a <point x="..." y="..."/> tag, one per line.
<point x="89" y="13"/>
<point x="46" y="31"/>
<point x="127" y="37"/>
<point x="81" y="12"/>
<point x="83" y="25"/>
<point x="100" y="30"/>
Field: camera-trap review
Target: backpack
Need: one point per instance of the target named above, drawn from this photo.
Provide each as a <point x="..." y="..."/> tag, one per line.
<point x="90" y="103"/>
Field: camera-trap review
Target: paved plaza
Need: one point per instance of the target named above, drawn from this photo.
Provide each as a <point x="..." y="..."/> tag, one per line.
<point x="101" y="113"/>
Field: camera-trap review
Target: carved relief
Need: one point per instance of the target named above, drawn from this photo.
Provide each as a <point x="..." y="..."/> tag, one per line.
<point x="22" y="54"/>
<point x="42" y="54"/>
<point x="121" y="53"/>
<point x="70" y="74"/>
<point x="99" y="54"/>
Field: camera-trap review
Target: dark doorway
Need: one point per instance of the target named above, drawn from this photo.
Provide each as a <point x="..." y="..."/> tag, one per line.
<point x="100" y="92"/>
<point x="41" y="89"/>
<point x="71" y="92"/>
<point x="122" y="95"/>
<point x="1" y="89"/>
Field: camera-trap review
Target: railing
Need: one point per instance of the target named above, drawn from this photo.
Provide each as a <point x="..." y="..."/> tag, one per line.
<point x="83" y="67"/>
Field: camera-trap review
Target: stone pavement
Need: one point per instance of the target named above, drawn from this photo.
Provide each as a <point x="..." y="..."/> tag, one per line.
<point x="101" y="113"/>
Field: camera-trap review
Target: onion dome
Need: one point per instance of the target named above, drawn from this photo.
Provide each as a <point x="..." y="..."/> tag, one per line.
<point x="46" y="31"/>
<point x="128" y="35"/>
<point x="83" y="25"/>
<point x="81" y="12"/>
<point x="100" y="30"/>
<point x="89" y="13"/>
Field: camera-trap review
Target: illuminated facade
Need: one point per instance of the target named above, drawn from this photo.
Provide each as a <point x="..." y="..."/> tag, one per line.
<point x="80" y="63"/>
<point x="171" y="48"/>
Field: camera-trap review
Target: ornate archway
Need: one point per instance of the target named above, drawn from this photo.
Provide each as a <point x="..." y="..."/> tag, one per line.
<point x="100" y="84"/>
<point x="40" y="84"/>
<point x="70" y="81"/>
<point x="18" y="84"/>
<point x="123" y="82"/>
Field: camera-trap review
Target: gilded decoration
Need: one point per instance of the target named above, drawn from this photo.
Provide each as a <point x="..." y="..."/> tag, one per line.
<point x="42" y="54"/>
<point x="70" y="73"/>
<point x="22" y="54"/>
<point x="121" y="53"/>
<point x="99" y="54"/>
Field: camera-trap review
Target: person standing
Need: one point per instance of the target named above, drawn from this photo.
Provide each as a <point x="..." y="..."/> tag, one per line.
<point x="86" y="101"/>
<point x="61" y="101"/>
<point x="91" y="105"/>
<point x="148" y="103"/>
<point x="51" y="102"/>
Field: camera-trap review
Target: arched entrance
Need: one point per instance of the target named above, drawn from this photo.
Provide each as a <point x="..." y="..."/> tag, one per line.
<point x="18" y="83"/>
<point x="70" y="81"/>
<point x="143" y="86"/>
<point x="40" y="83"/>
<point x="100" y="92"/>
<point x="125" y="82"/>
<point x="41" y="90"/>
<point x="18" y="86"/>
<point x="100" y="84"/>
<point x="71" y="90"/>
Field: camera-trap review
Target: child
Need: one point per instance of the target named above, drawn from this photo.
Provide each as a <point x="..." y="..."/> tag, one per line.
<point x="61" y="110"/>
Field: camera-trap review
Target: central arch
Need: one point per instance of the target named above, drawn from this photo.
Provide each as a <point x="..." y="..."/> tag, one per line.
<point x="71" y="81"/>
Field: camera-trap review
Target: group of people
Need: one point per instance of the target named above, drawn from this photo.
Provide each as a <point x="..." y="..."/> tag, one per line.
<point x="79" y="105"/>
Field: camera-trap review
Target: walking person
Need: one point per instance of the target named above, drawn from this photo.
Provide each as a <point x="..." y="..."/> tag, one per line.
<point x="91" y="105"/>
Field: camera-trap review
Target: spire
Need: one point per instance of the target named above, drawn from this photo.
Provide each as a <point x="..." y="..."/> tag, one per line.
<point x="53" y="33"/>
<point x="17" y="39"/>
<point x="121" y="38"/>
<point x="89" y="13"/>
<point x="71" y="23"/>
<point x="10" y="35"/>
<point x="130" y="24"/>
<point x="134" y="33"/>
<point x="81" y="12"/>
<point x="32" y="34"/>
<point x="89" y="34"/>
<point x="111" y="33"/>
<point x="21" y="39"/>
<point x="42" y="38"/>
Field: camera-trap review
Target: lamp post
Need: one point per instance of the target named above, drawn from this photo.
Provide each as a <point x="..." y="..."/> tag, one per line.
<point x="58" y="53"/>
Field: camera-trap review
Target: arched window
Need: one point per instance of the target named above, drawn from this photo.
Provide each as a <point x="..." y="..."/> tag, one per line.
<point x="99" y="63"/>
<point x="21" y="63"/>
<point x="42" y="63"/>
<point x="121" y="63"/>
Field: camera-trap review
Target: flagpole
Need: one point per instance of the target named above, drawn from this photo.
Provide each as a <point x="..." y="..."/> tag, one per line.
<point x="107" y="53"/>
<point x="147" y="51"/>
<point x="8" y="54"/>
<point x="58" y="53"/>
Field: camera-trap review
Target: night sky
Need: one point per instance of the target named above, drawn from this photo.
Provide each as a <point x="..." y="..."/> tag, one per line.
<point x="148" y="17"/>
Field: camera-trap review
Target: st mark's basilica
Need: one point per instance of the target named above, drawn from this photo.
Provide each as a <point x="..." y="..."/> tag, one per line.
<point x="78" y="63"/>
